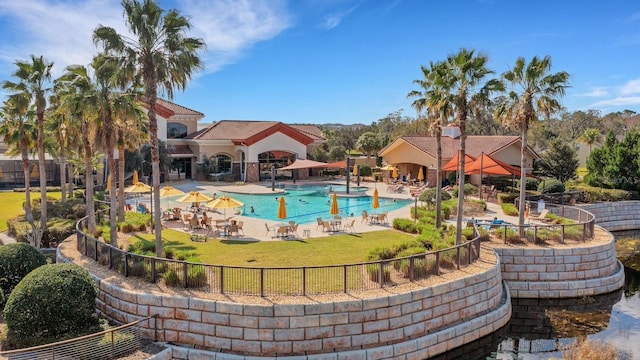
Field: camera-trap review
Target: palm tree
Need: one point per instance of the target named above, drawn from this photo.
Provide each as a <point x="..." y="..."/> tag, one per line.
<point x="437" y="112"/>
<point x="533" y="90"/>
<point x="19" y="132"/>
<point x="163" y="57"/>
<point x="464" y="89"/>
<point x="33" y="79"/>
<point x="591" y="136"/>
<point x="368" y="142"/>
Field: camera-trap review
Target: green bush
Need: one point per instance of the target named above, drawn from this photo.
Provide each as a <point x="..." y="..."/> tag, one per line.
<point x="196" y="276"/>
<point x="365" y="170"/>
<point x="550" y="186"/>
<point x="507" y="198"/>
<point x="380" y="253"/>
<point x="405" y="225"/>
<point x="16" y="261"/>
<point x="50" y="303"/>
<point x="373" y="271"/>
<point x="509" y="209"/>
<point x="597" y="194"/>
<point x="171" y="278"/>
<point x="428" y="196"/>
<point x="469" y="189"/>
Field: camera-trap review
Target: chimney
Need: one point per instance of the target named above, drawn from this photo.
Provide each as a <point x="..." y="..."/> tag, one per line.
<point x="451" y="131"/>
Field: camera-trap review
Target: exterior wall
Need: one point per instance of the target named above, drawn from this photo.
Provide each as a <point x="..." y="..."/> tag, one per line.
<point x="416" y="324"/>
<point x="276" y="141"/>
<point x="253" y="172"/>
<point x="407" y="154"/>
<point x="511" y="155"/>
<point x="616" y="216"/>
<point x="561" y="273"/>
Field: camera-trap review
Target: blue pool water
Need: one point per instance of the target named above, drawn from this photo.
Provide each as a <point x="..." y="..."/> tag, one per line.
<point x="305" y="204"/>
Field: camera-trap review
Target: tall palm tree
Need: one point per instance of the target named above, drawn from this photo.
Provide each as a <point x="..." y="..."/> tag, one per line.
<point x="465" y="88"/>
<point x="19" y="131"/>
<point x="78" y="97"/>
<point x="533" y="90"/>
<point x="429" y="102"/>
<point x="591" y="136"/>
<point x="163" y="57"/>
<point x="62" y="137"/>
<point x="368" y="142"/>
<point x="33" y="79"/>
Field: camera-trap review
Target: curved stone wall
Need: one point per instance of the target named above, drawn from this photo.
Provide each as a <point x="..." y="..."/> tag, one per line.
<point x="423" y="322"/>
<point x="616" y="216"/>
<point x="588" y="269"/>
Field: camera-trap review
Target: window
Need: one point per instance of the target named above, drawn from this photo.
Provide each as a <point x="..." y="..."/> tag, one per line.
<point x="176" y="131"/>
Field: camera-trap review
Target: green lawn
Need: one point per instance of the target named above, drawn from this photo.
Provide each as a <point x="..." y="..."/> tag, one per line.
<point x="12" y="205"/>
<point x="335" y="249"/>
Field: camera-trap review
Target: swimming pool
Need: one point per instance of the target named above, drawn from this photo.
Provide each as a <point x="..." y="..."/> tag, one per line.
<point x="305" y="204"/>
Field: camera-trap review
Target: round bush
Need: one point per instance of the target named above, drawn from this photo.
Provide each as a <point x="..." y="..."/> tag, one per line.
<point x="365" y="170"/>
<point x="429" y="196"/>
<point x="52" y="301"/>
<point x="16" y="261"/>
<point x="550" y="186"/>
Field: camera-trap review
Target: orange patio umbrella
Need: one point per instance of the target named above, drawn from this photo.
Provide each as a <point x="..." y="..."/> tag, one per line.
<point x="375" y="203"/>
<point x="282" y="209"/>
<point x="135" y="176"/>
<point x="334" y="205"/>
<point x="420" y="174"/>
<point x="454" y="163"/>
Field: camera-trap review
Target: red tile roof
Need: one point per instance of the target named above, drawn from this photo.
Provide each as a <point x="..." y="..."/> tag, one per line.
<point x="475" y="145"/>
<point x="249" y="132"/>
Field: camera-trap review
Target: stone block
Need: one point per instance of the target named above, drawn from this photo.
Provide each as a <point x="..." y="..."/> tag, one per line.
<point x="288" y="310"/>
<point x="273" y="322"/>
<point x="305" y="321"/>
<point x="243" y="321"/>
<point x="191" y="339"/>
<point x="175" y="301"/>
<point x="280" y="347"/>
<point x="229" y="308"/>
<point x="149" y="299"/>
<point x="288" y="334"/>
<point x="245" y="346"/>
<point x="348" y="329"/>
<point x="381" y="352"/>
<point x="202" y="304"/>
<point x="177" y="325"/>
<point x="306" y="345"/>
<point x="399" y="322"/>
<point x="201" y="328"/>
<point x="317" y="309"/>
<point x="257" y="310"/>
<point x="191" y="315"/>
<point x="375" y="326"/>
<point x="347" y="306"/>
<point x="259" y="334"/>
<point x="419" y="316"/>
<point x="375" y="303"/>
<point x="340" y="342"/>
<point x="215" y="318"/>
<point x="229" y="332"/>
<point x="364" y="340"/>
<point x="413" y="306"/>
<point x="333" y="319"/>
<point x="414" y="330"/>
<point x="405" y="347"/>
<point x="320" y="332"/>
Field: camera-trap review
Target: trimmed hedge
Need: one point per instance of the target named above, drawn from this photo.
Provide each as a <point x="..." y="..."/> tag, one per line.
<point x="550" y="186"/>
<point x="53" y="302"/>
<point x="595" y="194"/>
<point x="16" y="261"/>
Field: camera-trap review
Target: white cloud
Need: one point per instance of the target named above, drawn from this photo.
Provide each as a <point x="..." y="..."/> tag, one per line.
<point x="334" y="19"/>
<point x="618" y="101"/>
<point x="596" y="92"/>
<point x="631" y="87"/>
<point x="62" y="30"/>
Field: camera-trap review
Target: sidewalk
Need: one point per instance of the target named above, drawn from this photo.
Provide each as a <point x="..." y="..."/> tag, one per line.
<point x="6" y="239"/>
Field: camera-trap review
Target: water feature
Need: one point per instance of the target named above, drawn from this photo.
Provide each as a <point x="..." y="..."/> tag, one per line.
<point x="540" y="328"/>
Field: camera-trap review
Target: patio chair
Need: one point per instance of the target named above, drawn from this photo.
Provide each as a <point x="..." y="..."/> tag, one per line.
<point x="269" y="229"/>
<point x="382" y="218"/>
<point x="283" y="231"/>
<point x="186" y="221"/>
<point x="194" y="223"/>
<point x="326" y="227"/>
<point x="240" y="224"/>
<point x="365" y="216"/>
<point x="320" y="224"/>
<point x="541" y="216"/>
<point x="349" y="225"/>
<point x="233" y="228"/>
<point x="293" y="229"/>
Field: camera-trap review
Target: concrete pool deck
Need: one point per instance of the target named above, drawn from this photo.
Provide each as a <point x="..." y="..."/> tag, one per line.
<point x="255" y="230"/>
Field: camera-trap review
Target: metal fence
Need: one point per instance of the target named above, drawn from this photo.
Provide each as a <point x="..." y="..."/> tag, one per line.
<point x="303" y="280"/>
<point x="580" y="230"/>
<point x="109" y="344"/>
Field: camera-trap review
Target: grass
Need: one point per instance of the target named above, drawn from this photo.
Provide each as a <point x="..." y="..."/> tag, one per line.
<point x="336" y="249"/>
<point x="12" y="205"/>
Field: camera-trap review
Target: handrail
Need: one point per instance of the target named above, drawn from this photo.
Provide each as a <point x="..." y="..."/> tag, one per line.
<point x="296" y="280"/>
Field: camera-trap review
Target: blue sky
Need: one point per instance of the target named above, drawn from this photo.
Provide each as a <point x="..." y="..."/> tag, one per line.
<point x="350" y="61"/>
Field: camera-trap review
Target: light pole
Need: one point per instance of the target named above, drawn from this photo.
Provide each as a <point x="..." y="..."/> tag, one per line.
<point x="415" y="208"/>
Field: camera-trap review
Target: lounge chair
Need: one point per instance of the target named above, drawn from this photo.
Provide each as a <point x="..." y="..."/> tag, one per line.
<point x="319" y="220"/>
<point x="418" y="191"/>
<point x="349" y="225"/>
<point x="541" y="216"/>
<point x="269" y="229"/>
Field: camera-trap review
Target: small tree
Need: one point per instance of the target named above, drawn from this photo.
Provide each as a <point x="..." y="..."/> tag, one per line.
<point x="559" y="161"/>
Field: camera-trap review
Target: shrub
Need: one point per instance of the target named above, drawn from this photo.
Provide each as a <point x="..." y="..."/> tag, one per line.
<point x="428" y="196"/>
<point x="551" y="186"/>
<point x="171" y="278"/>
<point x="405" y="225"/>
<point x="509" y="209"/>
<point x="530" y="184"/>
<point x="596" y="194"/>
<point x="52" y="302"/>
<point x="507" y="198"/>
<point x="374" y="273"/>
<point x="380" y="253"/>
<point x="196" y="276"/>
<point x="16" y="261"/>
<point x="469" y="189"/>
<point x="404" y="265"/>
<point x="365" y="170"/>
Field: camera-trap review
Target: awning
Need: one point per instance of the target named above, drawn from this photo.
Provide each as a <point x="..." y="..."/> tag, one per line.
<point x="177" y="151"/>
<point x="303" y="164"/>
<point x="339" y="164"/>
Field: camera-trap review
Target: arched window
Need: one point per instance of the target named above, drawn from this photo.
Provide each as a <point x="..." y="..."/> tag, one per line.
<point x="176" y="130"/>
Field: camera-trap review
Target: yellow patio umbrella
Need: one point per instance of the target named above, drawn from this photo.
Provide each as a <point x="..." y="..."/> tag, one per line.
<point x="388" y="167"/>
<point x="135" y="176"/>
<point x="394" y="173"/>
<point x="355" y="170"/>
<point x="194" y="197"/>
<point x="225" y="202"/>
<point x="170" y="191"/>
<point x="138" y="188"/>
<point x="420" y="174"/>
<point x="375" y="203"/>
<point x="108" y="183"/>
<point x="334" y="205"/>
<point x="35" y="172"/>
<point x="282" y="209"/>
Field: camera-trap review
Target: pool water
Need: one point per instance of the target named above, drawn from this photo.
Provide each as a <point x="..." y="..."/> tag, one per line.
<point x="305" y="205"/>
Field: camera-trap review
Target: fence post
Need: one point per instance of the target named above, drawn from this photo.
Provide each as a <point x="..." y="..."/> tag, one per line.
<point x="562" y="237"/>
<point x="262" y="282"/>
<point x="126" y="264"/>
<point x="438" y="263"/>
<point x="110" y="257"/>
<point x="96" y="250"/>
<point x="411" y="269"/>
<point x="344" y="278"/>
<point x="304" y="280"/>
<point x="380" y="272"/>
<point x="458" y="257"/>
<point x="469" y="254"/>
<point x="184" y="274"/>
<point x="113" y="350"/>
<point x="153" y="269"/>
<point x="221" y="279"/>
<point x="86" y="246"/>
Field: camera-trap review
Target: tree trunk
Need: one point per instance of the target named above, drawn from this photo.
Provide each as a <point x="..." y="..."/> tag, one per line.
<point x="111" y="164"/>
<point x="27" y="186"/>
<point x="88" y="181"/>
<point x="438" y="178"/>
<point x="463" y="138"/>
<point x="43" y="171"/>
<point x="121" y="180"/>
<point x="63" y="177"/>
<point x="151" y="95"/>
<point x="523" y="177"/>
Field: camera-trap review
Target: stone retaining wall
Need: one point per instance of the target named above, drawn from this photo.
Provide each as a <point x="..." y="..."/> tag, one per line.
<point x="423" y="322"/>
<point x="616" y="216"/>
<point x="561" y="272"/>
